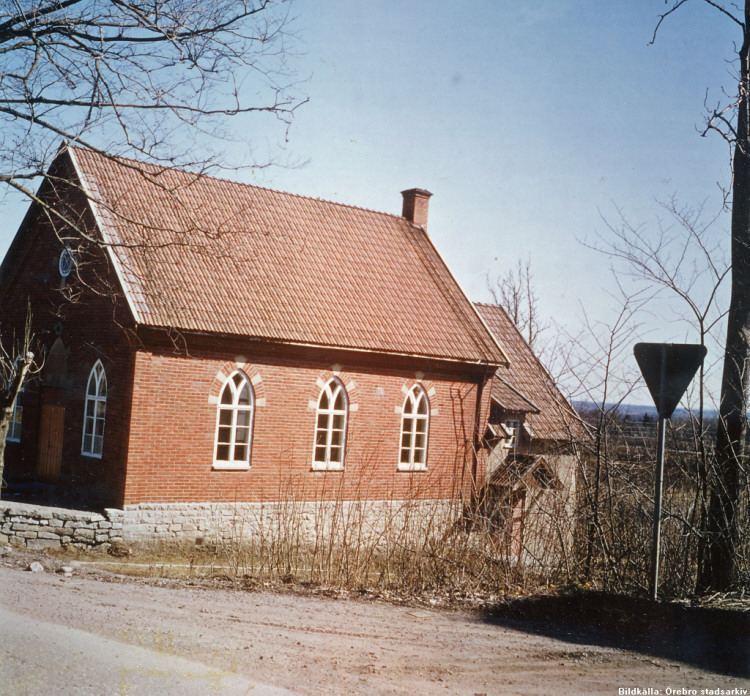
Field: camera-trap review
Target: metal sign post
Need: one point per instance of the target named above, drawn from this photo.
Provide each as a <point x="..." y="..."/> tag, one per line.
<point x="656" y="542"/>
<point x="667" y="368"/>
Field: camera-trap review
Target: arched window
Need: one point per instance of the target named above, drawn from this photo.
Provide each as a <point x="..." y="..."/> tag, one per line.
<point x="415" y="424"/>
<point x="96" y="405"/>
<point x="330" y="427"/>
<point x="234" y="423"/>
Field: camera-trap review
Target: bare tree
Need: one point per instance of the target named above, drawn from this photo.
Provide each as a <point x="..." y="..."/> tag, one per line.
<point x="159" y="79"/>
<point x="718" y="567"/>
<point x="514" y="292"/>
<point x="596" y="373"/>
<point x="682" y="260"/>
<point x="156" y="78"/>
<point x="17" y="362"/>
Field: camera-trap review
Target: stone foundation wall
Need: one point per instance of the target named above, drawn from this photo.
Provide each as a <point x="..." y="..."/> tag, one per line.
<point x="304" y="522"/>
<point x="38" y="527"/>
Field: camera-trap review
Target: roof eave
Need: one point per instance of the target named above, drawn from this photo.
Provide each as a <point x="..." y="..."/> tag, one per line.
<point x="534" y="408"/>
<point x="487" y="365"/>
<point x="106" y="233"/>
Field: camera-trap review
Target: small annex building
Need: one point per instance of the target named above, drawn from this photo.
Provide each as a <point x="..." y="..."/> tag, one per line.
<point x="530" y="484"/>
<point x="208" y="341"/>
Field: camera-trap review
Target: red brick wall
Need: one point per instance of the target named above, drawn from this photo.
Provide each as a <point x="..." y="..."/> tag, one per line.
<point x="87" y="324"/>
<point x="164" y="451"/>
<point x="173" y="428"/>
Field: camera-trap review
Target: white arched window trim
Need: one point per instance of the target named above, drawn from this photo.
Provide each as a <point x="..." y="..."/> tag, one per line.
<point x="331" y="419"/>
<point x="234" y="423"/>
<point x="92" y="444"/>
<point x="415" y="429"/>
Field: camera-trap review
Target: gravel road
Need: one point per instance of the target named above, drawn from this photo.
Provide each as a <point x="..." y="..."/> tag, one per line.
<point x="233" y="639"/>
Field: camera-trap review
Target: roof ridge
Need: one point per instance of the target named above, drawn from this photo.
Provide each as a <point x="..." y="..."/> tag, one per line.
<point x="241" y="183"/>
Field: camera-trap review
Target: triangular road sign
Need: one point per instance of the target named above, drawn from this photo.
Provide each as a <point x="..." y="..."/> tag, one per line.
<point x="668" y="368"/>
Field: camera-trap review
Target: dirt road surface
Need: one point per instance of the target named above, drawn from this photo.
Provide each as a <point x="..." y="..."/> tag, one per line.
<point x="224" y="641"/>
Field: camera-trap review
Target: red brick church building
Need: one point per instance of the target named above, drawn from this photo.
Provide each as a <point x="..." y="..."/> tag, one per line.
<point x="210" y="341"/>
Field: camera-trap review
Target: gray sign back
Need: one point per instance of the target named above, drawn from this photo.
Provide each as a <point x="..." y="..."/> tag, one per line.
<point x="667" y="369"/>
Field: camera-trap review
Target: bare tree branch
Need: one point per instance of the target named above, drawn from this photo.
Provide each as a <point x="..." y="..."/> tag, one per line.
<point x="157" y="78"/>
<point x="17" y="363"/>
<point x="514" y="292"/>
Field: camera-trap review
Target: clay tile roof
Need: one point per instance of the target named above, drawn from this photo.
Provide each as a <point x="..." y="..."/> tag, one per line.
<point x="509" y="398"/>
<point x="205" y="254"/>
<point x="526" y="381"/>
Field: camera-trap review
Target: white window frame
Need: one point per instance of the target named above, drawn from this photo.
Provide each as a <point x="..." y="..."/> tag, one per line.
<point x="95" y="412"/>
<point x="325" y="419"/>
<point x="514" y="427"/>
<point x="66" y="262"/>
<point x="16" y="421"/>
<point x="410" y="456"/>
<point x="234" y="411"/>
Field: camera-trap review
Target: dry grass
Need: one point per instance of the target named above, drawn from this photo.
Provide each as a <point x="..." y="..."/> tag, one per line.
<point x="614" y="523"/>
<point x="413" y="548"/>
<point x="460" y="548"/>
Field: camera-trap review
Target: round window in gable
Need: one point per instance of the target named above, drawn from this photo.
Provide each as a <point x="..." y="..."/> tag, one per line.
<point x="65" y="265"/>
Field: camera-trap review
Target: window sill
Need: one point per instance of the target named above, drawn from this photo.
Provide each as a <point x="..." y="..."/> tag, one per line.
<point x="91" y="455"/>
<point x="323" y="466"/>
<point x="231" y="466"/>
<point x="411" y="467"/>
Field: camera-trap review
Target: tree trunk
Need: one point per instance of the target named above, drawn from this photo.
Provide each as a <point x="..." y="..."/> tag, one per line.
<point x="8" y="399"/>
<point x="718" y="567"/>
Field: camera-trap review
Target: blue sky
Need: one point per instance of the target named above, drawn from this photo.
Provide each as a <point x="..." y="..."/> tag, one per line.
<point x="527" y="119"/>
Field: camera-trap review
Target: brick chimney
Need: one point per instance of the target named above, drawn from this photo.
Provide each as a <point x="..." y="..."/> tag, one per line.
<point x="416" y="204"/>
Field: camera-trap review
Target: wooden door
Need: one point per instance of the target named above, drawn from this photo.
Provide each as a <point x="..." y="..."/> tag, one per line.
<point x="51" y="429"/>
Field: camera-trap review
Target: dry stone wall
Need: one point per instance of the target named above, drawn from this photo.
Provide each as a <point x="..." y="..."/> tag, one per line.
<point x="37" y="527"/>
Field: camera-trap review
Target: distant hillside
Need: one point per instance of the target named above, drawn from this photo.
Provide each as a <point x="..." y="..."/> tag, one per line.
<point x="638" y="411"/>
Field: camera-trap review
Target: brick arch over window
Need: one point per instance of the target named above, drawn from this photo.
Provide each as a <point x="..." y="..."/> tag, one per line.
<point x="55" y="372"/>
<point x="429" y="388"/>
<point x="249" y="370"/>
<point x="323" y="378"/>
